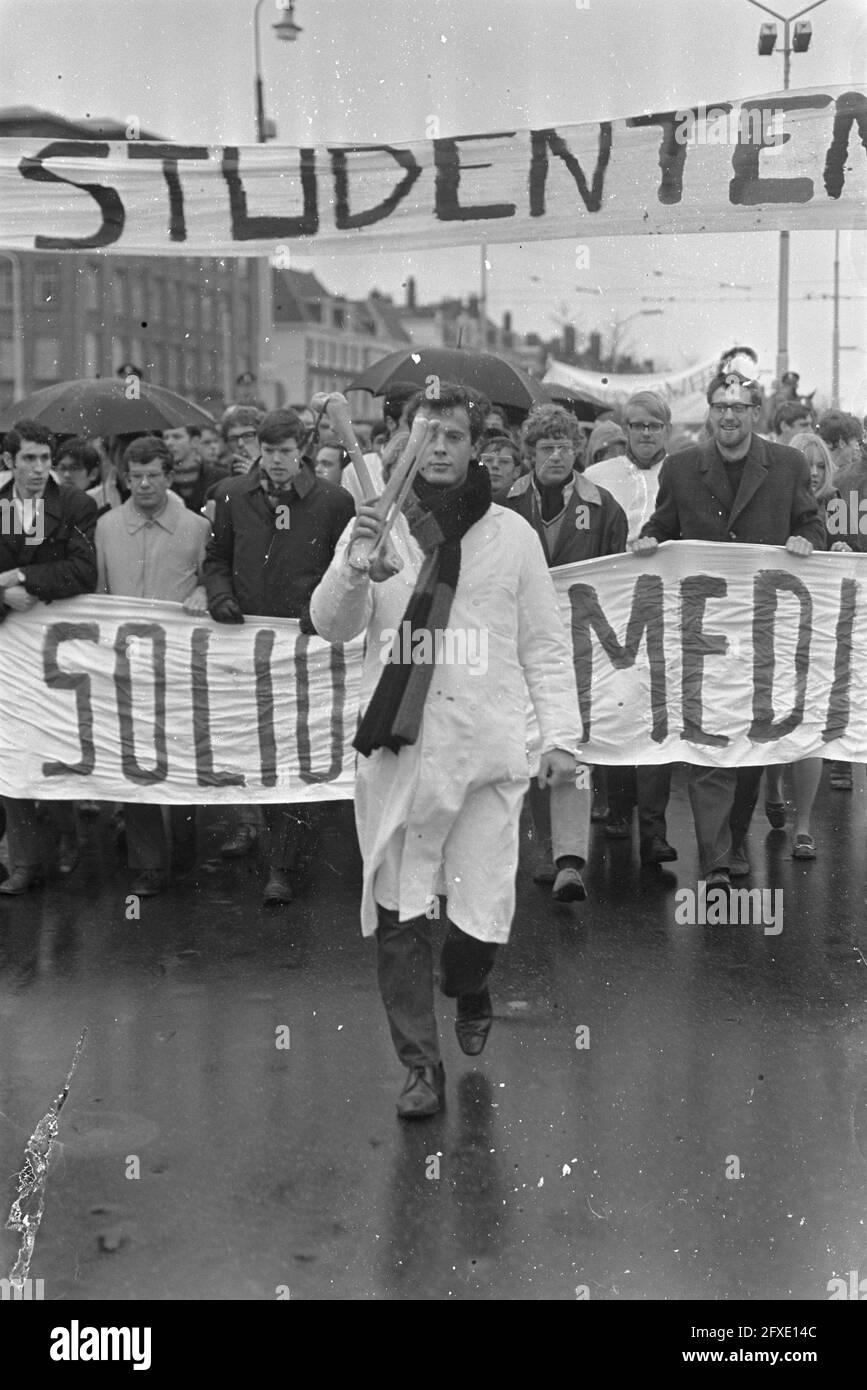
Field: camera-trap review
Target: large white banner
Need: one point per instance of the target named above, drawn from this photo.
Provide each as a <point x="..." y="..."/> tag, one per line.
<point x="685" y="391"/>
<point x="780" y="160"/>
<point x="711" y="654"/>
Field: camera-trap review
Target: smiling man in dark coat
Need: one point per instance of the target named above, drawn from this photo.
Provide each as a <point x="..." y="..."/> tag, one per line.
<point x="46" y="553"/>
<point x="735" y="487"/>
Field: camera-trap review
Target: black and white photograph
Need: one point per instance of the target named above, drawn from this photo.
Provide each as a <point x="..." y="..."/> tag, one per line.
<point x="433" y="665"/>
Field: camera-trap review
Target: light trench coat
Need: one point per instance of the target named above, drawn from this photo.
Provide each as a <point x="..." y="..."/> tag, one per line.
<point x="444" y="811"/>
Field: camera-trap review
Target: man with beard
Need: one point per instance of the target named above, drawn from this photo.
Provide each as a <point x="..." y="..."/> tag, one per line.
<point x="736" y="487"/>
<point x="275" y="530"/>
<point x="633" y="479"/>
<point x="443" y="770"/>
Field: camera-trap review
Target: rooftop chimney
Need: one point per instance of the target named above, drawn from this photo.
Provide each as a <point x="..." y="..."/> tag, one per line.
<point x="410" y="292"/>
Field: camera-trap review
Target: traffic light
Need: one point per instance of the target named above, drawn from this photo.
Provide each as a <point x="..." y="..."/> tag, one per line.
<point x="767" y="39"/>
<point x="802" y="35"/>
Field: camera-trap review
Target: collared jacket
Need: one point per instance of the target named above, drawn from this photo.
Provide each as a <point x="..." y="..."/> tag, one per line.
<point x="151" y="557"/>
<point x="774" y="500"/>
<point x="593" y="523"/>
<point x="269" y="562"/>
<point x="63" y="563"/>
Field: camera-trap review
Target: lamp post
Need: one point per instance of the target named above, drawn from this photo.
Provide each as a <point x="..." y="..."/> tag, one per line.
<point x="288" y="30"/>
<point x="17" y="326"/>
<point x="803" y="32"/>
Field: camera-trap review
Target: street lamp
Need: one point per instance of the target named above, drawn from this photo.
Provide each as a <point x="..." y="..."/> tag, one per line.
<point x="288" y="30"/>
<point x="803" y="32"/>
<point x="285" y="29"/>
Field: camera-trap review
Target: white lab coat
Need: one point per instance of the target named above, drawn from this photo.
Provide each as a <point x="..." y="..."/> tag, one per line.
<point x="633" y="487"/>
<point x="445" y="810"/>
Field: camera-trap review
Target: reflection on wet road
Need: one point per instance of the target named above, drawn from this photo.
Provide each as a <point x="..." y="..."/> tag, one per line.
<point x="704" y="1137"/>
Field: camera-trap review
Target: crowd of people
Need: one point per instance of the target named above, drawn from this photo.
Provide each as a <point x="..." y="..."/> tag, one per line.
<point x="197" y="516"/>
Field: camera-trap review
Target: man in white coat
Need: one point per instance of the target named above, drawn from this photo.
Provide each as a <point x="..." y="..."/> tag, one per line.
<point x="633" y="479"/>
<point x="461" y="621"/>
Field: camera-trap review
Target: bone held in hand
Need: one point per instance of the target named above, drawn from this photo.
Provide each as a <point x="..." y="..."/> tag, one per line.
<point x="337" y="410"/>
<point x="389" y="504"/>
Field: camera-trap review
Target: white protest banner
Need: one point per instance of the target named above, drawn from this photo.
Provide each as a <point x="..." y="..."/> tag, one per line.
<point x="681" y="389"/>
<point x="710" y="654"/>
<point x="777" y="161"/>
<point x="125" y="699"/>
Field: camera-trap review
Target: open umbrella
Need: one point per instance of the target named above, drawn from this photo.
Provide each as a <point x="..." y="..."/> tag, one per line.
<point x="503" y="383"/>
<point x="583" y="404"/>
<point x="101" y="407"/>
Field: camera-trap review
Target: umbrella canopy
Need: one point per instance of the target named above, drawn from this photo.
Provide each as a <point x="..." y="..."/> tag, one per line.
<point x="582" y="404"/>
<point x="503" y="383"/>
<point x="100" y="407"/>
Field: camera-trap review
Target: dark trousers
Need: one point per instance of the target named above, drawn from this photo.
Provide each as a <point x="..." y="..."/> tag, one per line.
<point x="146" y="844"/>
<point x="723" y="800"/>
<point x="648" y="788"/>
<point x="291" y="833"/>
<point x="405" y="971"/>
<point x="22" y="828"/>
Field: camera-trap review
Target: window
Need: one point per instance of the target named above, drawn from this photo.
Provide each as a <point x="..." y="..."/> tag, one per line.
<point x="5" y="286"/>
<point x="46" y="358"/>
<point x="137" y="307"/>
<point x="208" y="311"/>
<point x="46" y="287"/>
<point x="90" y="285"/>
<point x="7" y="359"/>
<point x="174" y="372"/>
<point x="92" y="355"/>
<point x="339" y="317"/>
<point x="118" y="292"/>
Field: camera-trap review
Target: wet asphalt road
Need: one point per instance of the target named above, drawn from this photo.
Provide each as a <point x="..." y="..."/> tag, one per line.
<point x="266" y="1169"/>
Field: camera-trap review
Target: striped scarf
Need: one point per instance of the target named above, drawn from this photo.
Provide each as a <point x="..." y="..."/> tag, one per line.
<point x="438" y="518"/>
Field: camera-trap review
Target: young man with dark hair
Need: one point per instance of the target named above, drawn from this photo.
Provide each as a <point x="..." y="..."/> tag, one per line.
<point x="575" y="520"/>
<point x="735" y="487"/>
<point x="275" y="530"/>
<point x="153" y="547"/>
<point x="78" y="464"/>
<point x="791" y="417"/>
<point x="46" y="555"/>
<point x="501" y="455"/>
<point x="444" y="768"/>
<point x="191" y="478"/>
<point x="844" y="437"/>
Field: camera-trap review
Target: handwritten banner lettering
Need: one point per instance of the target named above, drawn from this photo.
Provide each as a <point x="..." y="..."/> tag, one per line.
<point x="778" y="161"/>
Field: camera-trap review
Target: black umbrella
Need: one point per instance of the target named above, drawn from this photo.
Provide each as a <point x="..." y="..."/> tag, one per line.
<point x="583" y="404"/>
<point x="96" y="408"/>
<point x="503" y="383"/>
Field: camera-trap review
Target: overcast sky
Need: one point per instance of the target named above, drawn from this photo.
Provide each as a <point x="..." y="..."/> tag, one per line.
<point x="368" y="70"/>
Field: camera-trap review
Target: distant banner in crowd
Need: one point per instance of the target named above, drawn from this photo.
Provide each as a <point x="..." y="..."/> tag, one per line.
<point x="776" y="161"/>
<point x="684" y="391"/>
<point x="714" y="654"/>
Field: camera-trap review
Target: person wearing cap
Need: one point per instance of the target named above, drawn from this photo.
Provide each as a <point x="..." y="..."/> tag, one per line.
<point x="632" y="476"/>
<point x="575" y="520"/>
<point x="606" y="441"/>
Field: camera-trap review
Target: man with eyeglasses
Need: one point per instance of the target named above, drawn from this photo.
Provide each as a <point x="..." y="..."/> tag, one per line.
<point x="575" y="520"/>
<point x="633" y="479"/>
<point x="275" y="530"/>
<point x="740" y="488"/>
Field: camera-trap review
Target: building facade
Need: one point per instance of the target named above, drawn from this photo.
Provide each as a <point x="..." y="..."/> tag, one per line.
<point x="190" y="324"/>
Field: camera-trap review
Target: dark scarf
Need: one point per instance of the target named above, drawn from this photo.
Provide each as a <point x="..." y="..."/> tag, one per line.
<point x="438" y="517"/>
<point x="276" y="496"/>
